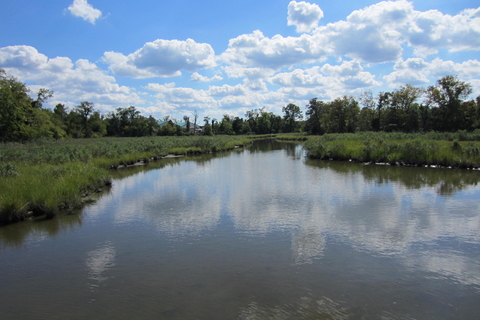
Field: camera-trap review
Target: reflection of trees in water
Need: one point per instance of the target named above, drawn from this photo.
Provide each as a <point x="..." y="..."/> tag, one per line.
<point x="15" y="234"/>
<point x="303" y="308"/>
<point x="266" y="145"/>
<point x="292" y="149"/>
<point x="446" y="181"/>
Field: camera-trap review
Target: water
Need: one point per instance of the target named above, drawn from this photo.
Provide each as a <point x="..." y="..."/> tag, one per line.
<point x="261" y="233"/>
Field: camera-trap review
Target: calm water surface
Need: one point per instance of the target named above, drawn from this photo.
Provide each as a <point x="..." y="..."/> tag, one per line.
<point x="261" y="233"/>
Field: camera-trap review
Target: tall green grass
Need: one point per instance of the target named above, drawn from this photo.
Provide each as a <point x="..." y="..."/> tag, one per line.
<point x="47" y="177"/>
<point x="397" y="148"/>
<point x="47" y="189"/>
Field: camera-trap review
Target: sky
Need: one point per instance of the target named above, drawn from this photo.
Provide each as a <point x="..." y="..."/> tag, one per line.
<point x="227" y="57"/>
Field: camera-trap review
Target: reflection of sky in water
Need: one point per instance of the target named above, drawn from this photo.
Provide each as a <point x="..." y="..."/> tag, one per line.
<point x="98" y="262"/>
<point x="257" y="235"/>
<point x="261" y="193"/>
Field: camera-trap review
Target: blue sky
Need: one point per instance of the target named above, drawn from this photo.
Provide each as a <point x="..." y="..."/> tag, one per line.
<point x="227" y="57"/>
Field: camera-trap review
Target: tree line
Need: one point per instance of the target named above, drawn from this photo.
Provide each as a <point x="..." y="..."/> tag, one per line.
<point x="23" y="118"/>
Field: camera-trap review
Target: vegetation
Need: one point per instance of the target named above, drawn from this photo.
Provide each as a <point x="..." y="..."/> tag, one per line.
<point x="443" y="109"/>
<point x="45" y="177"/>
<point x="459" y="149"/>
<point x="48" y="161"/>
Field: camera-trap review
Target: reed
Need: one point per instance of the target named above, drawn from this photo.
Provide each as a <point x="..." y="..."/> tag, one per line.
<point x="48" y="177"/>
<point x="411" y="149"/>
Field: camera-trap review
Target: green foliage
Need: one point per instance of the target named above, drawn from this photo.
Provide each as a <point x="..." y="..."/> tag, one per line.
<point x="292" y="115"/>
<point x="46" y="176"/>
<point x="7" y="170"/>
<point x="413" y="149"/>
<point x="207" y="130"/>
<point x="44" y="189"/>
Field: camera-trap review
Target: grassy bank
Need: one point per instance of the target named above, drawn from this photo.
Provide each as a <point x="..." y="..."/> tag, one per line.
<point x="460" y="150"/>
<point x="47" y="177"/>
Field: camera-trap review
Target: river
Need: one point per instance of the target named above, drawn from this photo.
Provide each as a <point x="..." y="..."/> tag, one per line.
<point x="256" y="233"/>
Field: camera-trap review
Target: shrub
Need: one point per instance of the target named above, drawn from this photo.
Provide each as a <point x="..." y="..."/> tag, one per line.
<point x="7" y="170"/>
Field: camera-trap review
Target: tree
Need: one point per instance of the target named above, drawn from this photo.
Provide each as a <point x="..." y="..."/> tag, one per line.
<point x="237" y="124"/>
<point x="187" y="121"/>
<point x="42" y="96"/>
<point x="206" y="120"/>
<point x="291" y="116"/>
<point x="368" y="115"/>
<point x="14" y="106"/>
<point x="195" y="117"/>
<point x="225" y="126"/>
<point x="84" y="109"/>
<point x="446" y="97"/>
<point x="406" y="110"/>
<point x="21" y="117"/>
<point x="343" y="115"/>
<point x="207" y="130"/>
<point x="315" y="115"/>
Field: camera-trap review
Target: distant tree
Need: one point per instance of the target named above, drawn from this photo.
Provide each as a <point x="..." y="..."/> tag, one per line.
<point x="195" y="118"/>
<point x="225" y="126"/>
<point x="97" y="127"/>
<point x="446" y="99"/>
<point x="292" y="114"/>
<point x="207" y="130"/>
<point x="84" y="109"/>
<point x="315" y="113"/>
<point x="15" y="104"/>
<point x="237" y="123"/>
<point x="206" y="120"/>
<point x="21" y="117"/>
<point x="404" y="112"/>
<point x="368" y="115"/>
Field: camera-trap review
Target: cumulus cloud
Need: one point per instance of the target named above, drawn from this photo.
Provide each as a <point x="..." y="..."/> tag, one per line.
<point x="376" y="34"/>
<point x="335" y="79"/>
<point x="432" y="30"/>
<point x="72" y="82"/>
<point x="162" y="58"/>
<point x="84" y="10"/>
<point x="303" y="15"/>
<point x="256" y="50"/>
<point x="248" y="73"/>
<point x="171" y="94"/>
<point x="22" y="58"/>
<point x="417" y="71"/>
<point x="196" y="77"/>
<point x="226" y="90"/>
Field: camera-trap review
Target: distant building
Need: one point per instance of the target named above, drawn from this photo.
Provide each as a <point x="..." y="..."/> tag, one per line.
<point x="183" y="125"/>
<point x="162" y="123"/>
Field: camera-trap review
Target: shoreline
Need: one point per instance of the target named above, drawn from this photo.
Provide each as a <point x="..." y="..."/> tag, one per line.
<point x="86" y="192"/>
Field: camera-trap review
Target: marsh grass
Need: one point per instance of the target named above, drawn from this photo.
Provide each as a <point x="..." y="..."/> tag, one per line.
<point x="397" y="148"/>
<point x="48" y="177"/>
<point x="46" y="189"/>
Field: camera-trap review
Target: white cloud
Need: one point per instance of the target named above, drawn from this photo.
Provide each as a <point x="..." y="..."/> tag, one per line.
<point x="22" y="58"/>
<point x="331" y="80"/>
<point x="432" y="30"/>
<point x="162" y="58"/>
<point x="379" y="32"/>
<point x="84" y="10"/>
<point x="182" y="97"/>
<point x="226" y="90"/>
<point x="120" y="66"/>
<point x="417" y="71"/>
<point x="303" y="15"/>
<point x="376" y="34"/>
<point x="196" y="77"/>
<point x="249" y="73"/>
<point x="72" y="82"/>
<point x="256" y="50"/>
